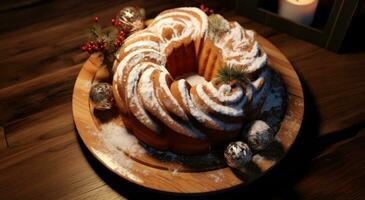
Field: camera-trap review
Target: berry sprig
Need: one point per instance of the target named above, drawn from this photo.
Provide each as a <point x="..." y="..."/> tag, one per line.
<point x="120" y="39"/>
<point x="120" y="26"/>
<point x="92" y="47"/>
<point x="106" y="41"/>
<point x="206" y="9"/>
<point x="116" y="23"/>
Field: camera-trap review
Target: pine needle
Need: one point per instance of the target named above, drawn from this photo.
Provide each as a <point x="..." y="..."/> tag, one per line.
<point x="229" y="74"/>
<point x="109" y="37"/>
<point x="95" y="32"/>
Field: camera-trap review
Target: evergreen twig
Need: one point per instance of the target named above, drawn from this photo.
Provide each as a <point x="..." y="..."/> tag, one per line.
<point x="230" y="74"/>
<point x="95" y="32"/>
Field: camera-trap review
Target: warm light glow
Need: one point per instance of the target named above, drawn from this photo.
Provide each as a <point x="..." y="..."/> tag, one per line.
<point x="301" y="2"/>
<point x="300" y="11"/>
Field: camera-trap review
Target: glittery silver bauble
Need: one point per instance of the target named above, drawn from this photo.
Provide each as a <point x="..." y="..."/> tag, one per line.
<point x="259" y="135"/>
<point x="101" y="96"/>
<point x="132" y="18"/>
<point x="237" y="154"/>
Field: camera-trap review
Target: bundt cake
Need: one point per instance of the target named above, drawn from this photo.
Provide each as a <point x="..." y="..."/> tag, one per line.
<point x="167" y="111"/>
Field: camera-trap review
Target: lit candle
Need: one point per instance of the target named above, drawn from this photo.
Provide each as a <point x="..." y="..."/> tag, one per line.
<point x="300" y="11"/>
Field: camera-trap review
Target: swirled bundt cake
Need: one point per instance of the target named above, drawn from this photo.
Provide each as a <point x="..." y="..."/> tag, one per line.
<point x="166" y="111"/>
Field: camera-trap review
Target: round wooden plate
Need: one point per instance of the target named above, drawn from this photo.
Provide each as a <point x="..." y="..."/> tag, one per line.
<point x="152" y="173"/>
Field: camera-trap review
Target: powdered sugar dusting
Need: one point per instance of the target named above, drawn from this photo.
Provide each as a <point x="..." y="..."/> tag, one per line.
<point x="133" y="100"/>
<point x="119" y="164"/>
<point x="273" y="109"/>
<point x="230" y="110"/>
<point x="116" y="137"/>
<point x="238" y="39"/>
<point x="118" y="145"/>
<point x="178" y="110"/>
<point x="195" y="79"/>
<point x="174" y="172"/>
<point x="218" y="176"/>
<point x="224" y="93"/>
<point x="143" y="43"/>
<point x="151" y="103"/>
<point x="207" y="120"/>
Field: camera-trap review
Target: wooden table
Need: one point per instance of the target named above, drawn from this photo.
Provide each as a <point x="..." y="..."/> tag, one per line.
<point x="42" y="157"/>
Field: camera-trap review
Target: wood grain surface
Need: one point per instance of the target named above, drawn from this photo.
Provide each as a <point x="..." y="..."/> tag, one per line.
<point x="45" y="159"/>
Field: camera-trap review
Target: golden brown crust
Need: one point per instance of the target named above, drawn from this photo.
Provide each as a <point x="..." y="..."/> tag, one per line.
<point x="153" y="139"/>
<point x="180" y="143"/>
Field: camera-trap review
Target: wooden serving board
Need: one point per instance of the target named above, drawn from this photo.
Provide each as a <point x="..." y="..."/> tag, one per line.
<point x="152" y="173"/>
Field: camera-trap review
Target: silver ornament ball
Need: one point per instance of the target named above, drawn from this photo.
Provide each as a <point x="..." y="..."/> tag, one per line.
<point x="237" y="154"/>
<point x="101" y="95"/>
<point x="259" y="135"/>
<point x="132" y="18"/>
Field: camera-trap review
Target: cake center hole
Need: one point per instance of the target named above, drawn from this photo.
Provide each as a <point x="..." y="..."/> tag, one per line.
<point x="182" y="62"/>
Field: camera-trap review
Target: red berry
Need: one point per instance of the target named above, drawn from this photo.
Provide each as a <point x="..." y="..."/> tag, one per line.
<point x="202" y="6"/>
<point x="118" y="43"/>
<point x="96" y="19"/>
<point x="127" y="30"/>
<point x="118" y="24"/>
<point x="113" y="21"/>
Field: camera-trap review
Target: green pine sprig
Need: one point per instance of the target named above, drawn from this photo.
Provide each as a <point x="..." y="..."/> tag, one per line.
<point x="110" y="37"/>
<point x="106" y="41"/>
<point x="95" y="32"/>
<point x="230" y="74"/>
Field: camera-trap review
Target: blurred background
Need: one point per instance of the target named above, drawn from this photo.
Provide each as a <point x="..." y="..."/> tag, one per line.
<point x="337" y="24"/>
